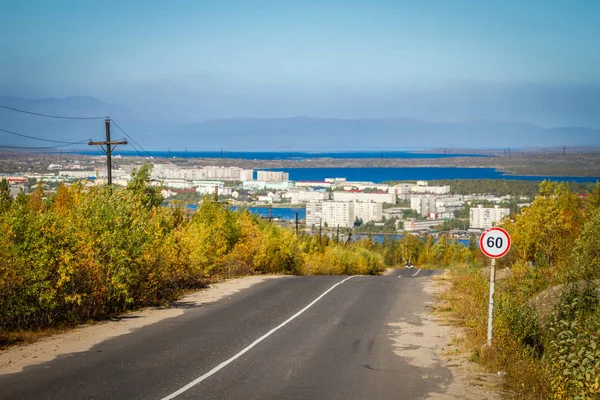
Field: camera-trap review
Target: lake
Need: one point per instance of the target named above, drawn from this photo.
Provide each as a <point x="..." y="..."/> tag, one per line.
<point x="379" y="175"/>
<point x="280" y="213"/>
<point x="276" y="155"/>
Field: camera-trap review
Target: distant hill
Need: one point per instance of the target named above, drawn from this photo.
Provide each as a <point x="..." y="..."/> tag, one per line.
<point x="297" y="133"/>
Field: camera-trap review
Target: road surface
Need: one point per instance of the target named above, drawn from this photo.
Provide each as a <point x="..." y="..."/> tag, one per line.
<point x="321" y="337"/>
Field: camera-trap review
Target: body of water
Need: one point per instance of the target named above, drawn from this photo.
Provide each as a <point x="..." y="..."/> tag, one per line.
<point x="292" y="155"/>
<point x="379" y="238"/>
<point x="379" y="175"/>
<point x="279" y="213"/>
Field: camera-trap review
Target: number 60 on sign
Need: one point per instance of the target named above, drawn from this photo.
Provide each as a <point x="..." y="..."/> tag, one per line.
<point x="495" y="242"/>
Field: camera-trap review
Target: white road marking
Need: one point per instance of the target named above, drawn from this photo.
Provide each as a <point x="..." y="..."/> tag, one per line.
<point x="415" y="274"/>
<point x="244" y="351"/>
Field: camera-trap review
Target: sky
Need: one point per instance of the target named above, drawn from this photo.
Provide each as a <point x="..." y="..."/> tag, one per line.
<point x="444" y="60"/>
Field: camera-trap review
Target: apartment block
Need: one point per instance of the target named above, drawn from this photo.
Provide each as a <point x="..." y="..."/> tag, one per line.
<point x="297" y="197"/>
<point x="485" y="218"/>
<point x="423" y="204"/>
<point x="272" y="176"/>
<point x="368" y="211"/>
<point x="313" y="213"/>
<point x="426" y="225"/>
<point x="377" y="197"/>
<point x="338" y="213"/>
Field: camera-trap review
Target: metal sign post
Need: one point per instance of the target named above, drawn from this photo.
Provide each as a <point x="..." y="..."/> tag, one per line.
<point x="491" y="303"/>
<point x="494" y="243"/>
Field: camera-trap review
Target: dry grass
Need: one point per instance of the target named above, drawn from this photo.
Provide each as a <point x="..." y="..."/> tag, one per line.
<point x="465" y="304"/>
<point x="8" y="339"/>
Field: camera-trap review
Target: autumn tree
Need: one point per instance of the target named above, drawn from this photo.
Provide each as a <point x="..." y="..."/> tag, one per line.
<point x="5" y="198"/>
<point x="545" y="232"/>
<point x="140" y="185"/>
<point x="408" y="248"/>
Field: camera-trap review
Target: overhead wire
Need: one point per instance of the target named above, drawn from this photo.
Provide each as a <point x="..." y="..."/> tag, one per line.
<point x="34" y="137"/>
<point x="133" y="144"/>
<point x="47" y="115"/>
<point x="42" y="147"/>
<point x="132" y="139"/>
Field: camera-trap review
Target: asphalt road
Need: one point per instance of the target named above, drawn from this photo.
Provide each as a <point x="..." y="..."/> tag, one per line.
<point x="270" y="341"/>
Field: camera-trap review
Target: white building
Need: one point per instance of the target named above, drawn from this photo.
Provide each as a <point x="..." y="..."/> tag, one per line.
<point x="171" y="171"/>
<point x="413" y="225"/>
<point x="449" y="204"/>
<point x="342" y="213"/>
<point x="367" y="212"/>
<point x="246" y="175"/>
<point x="423" y="204"/>
<point x="313" y="184"/>
<point x="335" y="180"/>
<point x="77" y="174"/>
<point x="270" y="198"/>
<point x="337" y="213"/>
<point x="423" y="187"/>
<point x="297" y="197"/>
<point x="272" y="176"/>
<point x="313" y="213"/>
<point x="377" y="197"/>
<point x="485" y="218"/>
<point x="403" y="190"/>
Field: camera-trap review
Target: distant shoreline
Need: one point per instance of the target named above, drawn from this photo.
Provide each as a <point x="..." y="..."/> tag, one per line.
<point x="512" y="164"/>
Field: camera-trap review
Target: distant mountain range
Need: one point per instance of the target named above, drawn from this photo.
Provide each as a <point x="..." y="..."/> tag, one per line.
<point x="272" y="134"/>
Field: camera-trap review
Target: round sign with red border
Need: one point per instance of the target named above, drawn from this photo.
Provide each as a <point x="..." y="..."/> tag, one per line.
<point x="494" y="242"/>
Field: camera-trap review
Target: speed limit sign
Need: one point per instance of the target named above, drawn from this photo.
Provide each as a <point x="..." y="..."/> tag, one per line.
<point x="495" y="242"/>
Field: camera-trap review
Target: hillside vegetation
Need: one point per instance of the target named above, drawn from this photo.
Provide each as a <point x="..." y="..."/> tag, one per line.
<point x="89" y="253"/>
<point x="547" y="319"/>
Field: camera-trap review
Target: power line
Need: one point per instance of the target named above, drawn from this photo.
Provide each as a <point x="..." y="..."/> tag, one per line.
<point x="42" y="147"/>
<point x="33" y="137"/>
<point x="132" y="139"/>
<point x="46" y="115"/>
<point x="68" y="143"/>
<point x="137" y="151"/>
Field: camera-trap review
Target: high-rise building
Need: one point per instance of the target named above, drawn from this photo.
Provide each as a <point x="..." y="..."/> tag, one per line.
<point x="342" y="213"/>
<point x="485" y="218"/>
<point x="272" y="176"/>
<point x="367" y="212"/>
<point x="337" y="213"/>
<point x="423" y="204"/>
<point x="297" y="197"/>
<point x="353" y="195"/>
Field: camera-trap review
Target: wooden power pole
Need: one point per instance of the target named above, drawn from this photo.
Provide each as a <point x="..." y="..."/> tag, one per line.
<point x="110" y="146"/>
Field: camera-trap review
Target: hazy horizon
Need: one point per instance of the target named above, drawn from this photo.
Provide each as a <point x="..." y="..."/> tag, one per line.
<point x="160" y="64"/>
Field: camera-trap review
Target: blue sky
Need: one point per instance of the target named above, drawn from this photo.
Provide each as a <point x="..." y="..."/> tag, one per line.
<point x="435" y="60"/>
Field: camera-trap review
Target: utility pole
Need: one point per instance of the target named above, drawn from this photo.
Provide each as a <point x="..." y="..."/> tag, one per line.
<point x="110" y="146"/>
<point x="319" y="231"/>
<point x="296" y="223"/>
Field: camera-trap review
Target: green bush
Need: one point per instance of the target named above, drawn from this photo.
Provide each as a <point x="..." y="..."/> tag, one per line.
<point x="573" y="356"/>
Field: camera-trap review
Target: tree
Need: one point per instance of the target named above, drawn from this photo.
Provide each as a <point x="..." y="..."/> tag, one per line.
<point x="150" y="196"/>
<point x="546" y="231"/>
<point x="426" y="255"/>
<point x="587" y="250"/>
<point x="5" y="198"/>
<point x="408" y="248"/>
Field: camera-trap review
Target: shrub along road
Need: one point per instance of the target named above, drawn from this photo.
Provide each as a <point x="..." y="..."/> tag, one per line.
<point x="320" y="337"/>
